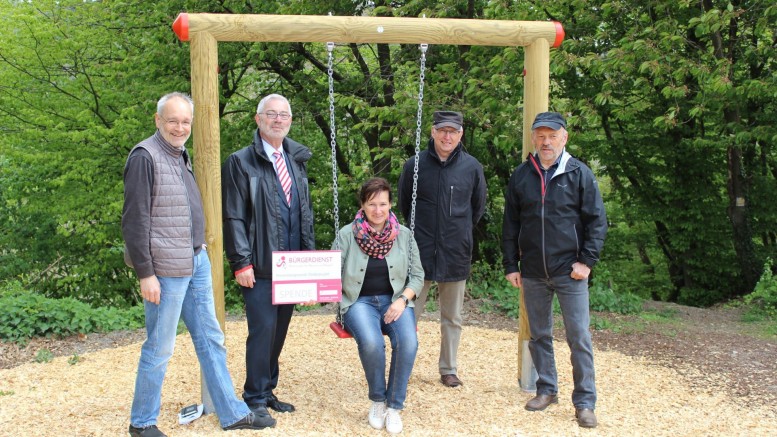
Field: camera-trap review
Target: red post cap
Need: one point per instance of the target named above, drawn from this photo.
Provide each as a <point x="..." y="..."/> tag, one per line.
<point x="559" y="34"/>
<point x="181" y="26"/>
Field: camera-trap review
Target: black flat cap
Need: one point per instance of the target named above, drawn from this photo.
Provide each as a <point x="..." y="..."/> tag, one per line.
<point x="448" y="119"/>
<point x="553" y="120"/>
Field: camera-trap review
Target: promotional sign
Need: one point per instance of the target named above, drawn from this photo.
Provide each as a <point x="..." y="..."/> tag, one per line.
<point x="306" y="276"/>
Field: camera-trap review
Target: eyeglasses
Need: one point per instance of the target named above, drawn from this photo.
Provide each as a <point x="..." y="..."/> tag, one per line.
<point x="272" y="115"/>
<point x="176" y="123"/>
<point x="448" y="132"/>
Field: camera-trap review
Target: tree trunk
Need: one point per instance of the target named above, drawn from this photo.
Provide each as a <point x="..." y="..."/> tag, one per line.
<point x="740" y="223"/>
<point x="738" y="183"/>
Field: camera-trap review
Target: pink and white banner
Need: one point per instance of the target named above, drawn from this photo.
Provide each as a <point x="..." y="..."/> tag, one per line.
<point x="306" y="276"/>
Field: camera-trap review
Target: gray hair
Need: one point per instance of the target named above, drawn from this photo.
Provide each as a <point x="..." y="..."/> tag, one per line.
<point x="160" y="105"/>
<point x="263" y="102"/>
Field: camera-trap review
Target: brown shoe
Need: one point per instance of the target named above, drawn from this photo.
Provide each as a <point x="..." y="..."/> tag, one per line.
<point x="451" y="380"/>
<point x="585" y="417"/>
<point x="541" y="402"/>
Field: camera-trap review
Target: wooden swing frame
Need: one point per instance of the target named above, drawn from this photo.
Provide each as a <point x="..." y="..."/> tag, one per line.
<point x="205" y="31"/>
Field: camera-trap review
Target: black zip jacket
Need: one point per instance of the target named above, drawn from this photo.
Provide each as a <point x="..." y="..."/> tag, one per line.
<point x="549" y="228"/>
<point x="251" y="205"/>
<point x="451" y="199"/>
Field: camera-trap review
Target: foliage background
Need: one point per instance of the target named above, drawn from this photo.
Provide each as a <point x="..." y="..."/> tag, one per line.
<point x="670" y="102"/>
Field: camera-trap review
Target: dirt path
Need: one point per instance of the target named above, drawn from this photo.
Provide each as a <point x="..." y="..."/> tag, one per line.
<point x="667" y="378"/>
<point x="712" y="341"/>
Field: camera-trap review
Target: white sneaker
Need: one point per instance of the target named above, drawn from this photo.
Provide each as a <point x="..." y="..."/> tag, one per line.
<point x="377" y="416"/>
<point x="393" y="421"/>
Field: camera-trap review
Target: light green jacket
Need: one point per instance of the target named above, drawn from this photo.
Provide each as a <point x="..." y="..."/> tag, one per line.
<point x="404" y="253"/>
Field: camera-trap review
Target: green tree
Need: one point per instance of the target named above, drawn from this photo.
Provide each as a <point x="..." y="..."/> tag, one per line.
<point x="72" y="105"/>
<point x="674" y="101"/>
<point x="669" y="102"/>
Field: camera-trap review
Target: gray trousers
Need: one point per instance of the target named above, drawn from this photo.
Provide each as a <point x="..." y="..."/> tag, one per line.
<point x="573" y="298"/>
<point x="451" y="298"/>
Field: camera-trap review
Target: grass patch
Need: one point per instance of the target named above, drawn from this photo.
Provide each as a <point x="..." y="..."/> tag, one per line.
<point x="756" y="325"/>
<point x="44" y="356"/>
<point x="6" y="392"/>
<point x="601" y="323"/>
<point x="75" y="359"/>
<point x="640" y="322"/>
<point x="665" y="315"/>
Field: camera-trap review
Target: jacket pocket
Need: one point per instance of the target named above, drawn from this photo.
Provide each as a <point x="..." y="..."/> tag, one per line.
<point x="459" y="200"/>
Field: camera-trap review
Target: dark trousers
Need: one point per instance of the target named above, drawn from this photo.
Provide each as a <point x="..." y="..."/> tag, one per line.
<point x="268" y="325"/>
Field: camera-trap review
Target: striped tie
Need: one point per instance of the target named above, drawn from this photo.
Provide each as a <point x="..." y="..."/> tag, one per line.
<point x="283" y="175"/>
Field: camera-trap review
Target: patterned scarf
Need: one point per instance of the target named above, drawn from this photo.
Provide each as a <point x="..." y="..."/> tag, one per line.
<point x="374" y="244"/>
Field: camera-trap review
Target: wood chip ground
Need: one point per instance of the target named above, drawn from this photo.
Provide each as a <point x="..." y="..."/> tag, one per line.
<point x="321" y="375"/>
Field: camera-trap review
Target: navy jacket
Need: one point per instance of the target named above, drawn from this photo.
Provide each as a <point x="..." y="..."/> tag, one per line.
<point x="547" y="229"/>
<point x="451" y="199"/>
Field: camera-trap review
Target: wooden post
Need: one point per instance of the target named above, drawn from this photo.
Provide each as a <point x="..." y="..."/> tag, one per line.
<point x="204" y="30"/>
<point x="207" y="165"/>
<point x="207" y="148"/>
<point x="536" y="86"/>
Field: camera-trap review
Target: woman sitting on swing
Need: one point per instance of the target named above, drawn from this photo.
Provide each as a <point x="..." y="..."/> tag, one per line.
<point x="381" y="276"/>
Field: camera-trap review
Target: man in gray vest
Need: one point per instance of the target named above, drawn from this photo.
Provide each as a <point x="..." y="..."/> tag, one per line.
<point x="164" y="231"/>
<point x="267" y="207"/>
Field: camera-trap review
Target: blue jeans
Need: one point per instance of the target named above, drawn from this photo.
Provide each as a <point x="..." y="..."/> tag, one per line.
<point x="573" y="298"/>
<point x="364" y="320"/>
<point x="190" y="297"/>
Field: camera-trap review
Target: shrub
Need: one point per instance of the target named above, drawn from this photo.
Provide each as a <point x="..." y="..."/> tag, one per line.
<point x="488" y="282"/>
<point x="762" y="301"/>
<point x="11" y="288"/>
<point x="602" y="297"/>
<point x="26" y="315"/>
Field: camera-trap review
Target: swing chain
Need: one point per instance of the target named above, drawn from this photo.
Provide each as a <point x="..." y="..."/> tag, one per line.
<point x="336" y="210"/>
<point x="419" y="118"/>
<point x="336" y="205"/>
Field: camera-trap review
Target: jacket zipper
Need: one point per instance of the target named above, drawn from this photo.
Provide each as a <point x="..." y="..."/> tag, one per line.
<point x="450" y="205"/>
<point x="542" y="212"/>
<point x="189" y="207"/>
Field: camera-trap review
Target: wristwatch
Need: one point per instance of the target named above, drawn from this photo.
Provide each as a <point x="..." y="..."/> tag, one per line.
<point x="405" y="299"/>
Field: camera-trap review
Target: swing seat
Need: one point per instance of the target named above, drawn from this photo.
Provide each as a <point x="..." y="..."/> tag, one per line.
<point x="339" y="330"/>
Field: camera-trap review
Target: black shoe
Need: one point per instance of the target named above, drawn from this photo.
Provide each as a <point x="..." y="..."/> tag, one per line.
<point x="252" y="421"/>
<point x="149" y="431"/>
<point x="259" y="410"/>
<point x="280" y="406"/>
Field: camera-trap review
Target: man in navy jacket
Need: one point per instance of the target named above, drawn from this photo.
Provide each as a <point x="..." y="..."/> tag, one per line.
<point x="553" y="231"/>
<point x="451" y="199"/>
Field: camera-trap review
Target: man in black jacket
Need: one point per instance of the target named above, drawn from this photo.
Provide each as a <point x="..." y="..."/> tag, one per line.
<point x="451" y="199"/>
<point x="267" y="207"/>
<point x="553" y="231"/>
